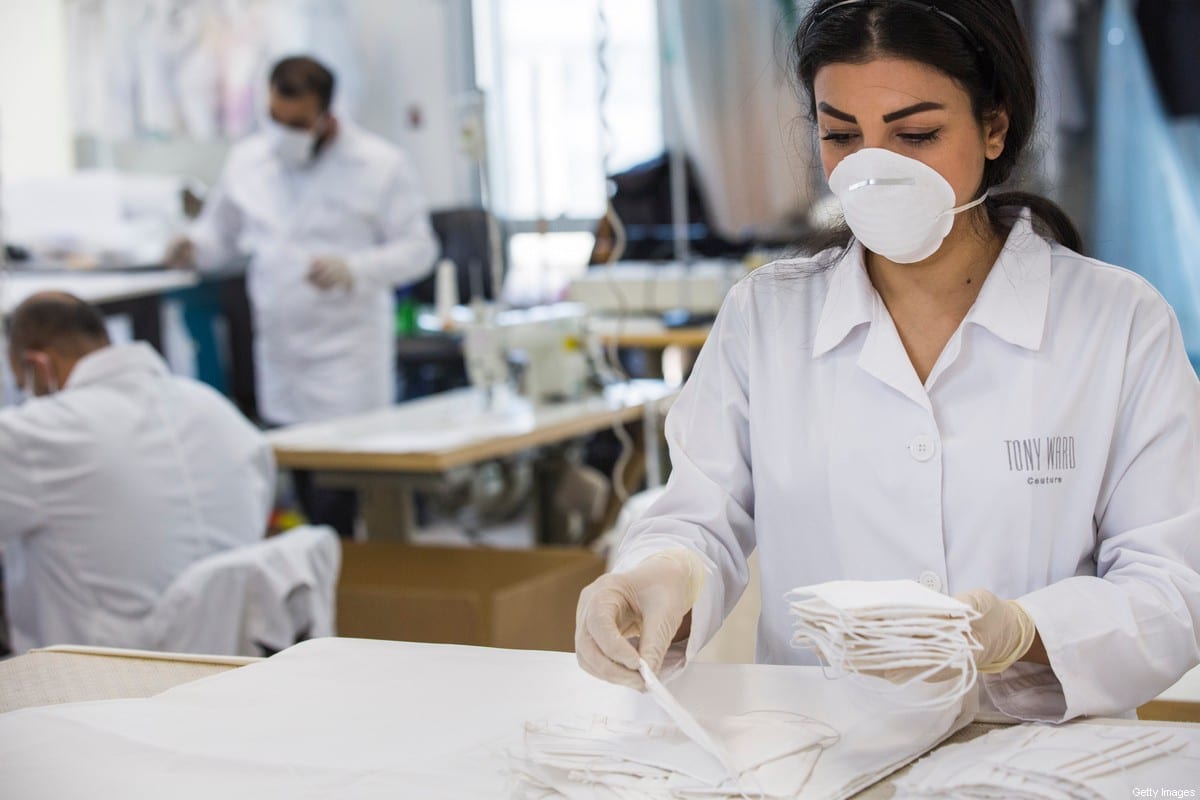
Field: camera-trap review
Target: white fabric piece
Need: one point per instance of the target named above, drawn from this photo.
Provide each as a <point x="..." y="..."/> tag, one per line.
<point x="1075" y="491"/>
<point x="319" y="353"/>
<point x="1081" y="761"/>
<point x="776" y="753"/>
<point x="410" y="720"/>
<point x="252" y="601"/>
<point x="687" y="724"/>
<point x="114" y="486"/>
<point x="861" y="627"/>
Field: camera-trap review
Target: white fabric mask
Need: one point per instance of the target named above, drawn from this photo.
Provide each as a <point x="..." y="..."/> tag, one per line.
<point x="867" y="629"/>
<point x="295" y="148"/>
<point x="896" y="206"/>
<point x="29" y="392"/>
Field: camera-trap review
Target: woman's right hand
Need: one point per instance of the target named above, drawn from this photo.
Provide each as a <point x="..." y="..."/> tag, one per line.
<point x="649" y="601"/>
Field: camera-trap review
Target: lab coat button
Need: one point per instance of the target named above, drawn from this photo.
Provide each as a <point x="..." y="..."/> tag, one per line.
<point x="930" y="580"/>
<point x="922" y="448"/>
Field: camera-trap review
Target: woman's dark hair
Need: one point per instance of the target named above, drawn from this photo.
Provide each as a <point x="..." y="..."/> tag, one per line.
<point x="980" y="44"/>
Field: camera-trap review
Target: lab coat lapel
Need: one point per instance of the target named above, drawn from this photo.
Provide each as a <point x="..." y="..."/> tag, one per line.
<point x="883" y="356"/>
<point x="329" y="169"/>
<point x="853" y="301"/>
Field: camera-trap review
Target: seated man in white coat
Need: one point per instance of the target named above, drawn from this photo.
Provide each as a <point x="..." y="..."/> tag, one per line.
<point x="117" y="476"/>
<point x="333" y="220"/>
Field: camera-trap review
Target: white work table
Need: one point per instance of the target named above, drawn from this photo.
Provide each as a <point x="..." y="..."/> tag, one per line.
<point x="383" y="454"/>
<point x="135" y="294"/>
<point x="648" y="333"/>
<point x="365" y="719"/>
<point x="98" y="288"/>
<point x="452" y="429"/>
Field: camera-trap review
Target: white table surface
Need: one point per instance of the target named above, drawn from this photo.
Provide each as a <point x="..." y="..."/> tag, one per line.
<point x="458" y="419"/>
<point x="92" y="287"/>
<point x="371" y="719"/>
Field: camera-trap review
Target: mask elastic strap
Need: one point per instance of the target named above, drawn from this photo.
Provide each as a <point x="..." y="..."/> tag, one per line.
<point x="31" y="380"/>
<point x="968" y="206"/>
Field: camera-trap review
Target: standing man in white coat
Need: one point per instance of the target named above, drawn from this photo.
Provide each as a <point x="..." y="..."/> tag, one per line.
<point x="947" y="393"/>
<point x="334" y="221"/>
<point x="116" y="477"/>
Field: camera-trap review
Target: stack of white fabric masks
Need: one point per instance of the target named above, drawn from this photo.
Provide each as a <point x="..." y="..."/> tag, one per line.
<point x="601" y="757"/>
<point x="897" y="638"/>
<point x="1085" y="761"/>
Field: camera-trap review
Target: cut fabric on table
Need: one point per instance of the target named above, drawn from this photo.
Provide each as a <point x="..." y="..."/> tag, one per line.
<point x="873" y="630"/>
<point x="758" y="753"/>
<point x="1079" y="761"/>
<point x="601" y="757"/>
<point x="688" y="725"/>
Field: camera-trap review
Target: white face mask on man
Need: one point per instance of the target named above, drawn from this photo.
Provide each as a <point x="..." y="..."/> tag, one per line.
<point x="898" y="207"/>
<point x="28" y="389"/>
<point x="294" y="147"/>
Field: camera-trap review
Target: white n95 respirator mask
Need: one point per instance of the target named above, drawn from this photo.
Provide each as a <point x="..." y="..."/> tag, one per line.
<point x="898" y="207"/>
<point x="294" y="147"/>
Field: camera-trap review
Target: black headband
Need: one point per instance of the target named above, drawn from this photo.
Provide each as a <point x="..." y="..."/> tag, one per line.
<point x="932" y="9"/>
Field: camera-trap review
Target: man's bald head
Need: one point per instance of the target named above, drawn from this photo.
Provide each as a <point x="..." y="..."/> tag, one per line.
<point x="48" y="334"/>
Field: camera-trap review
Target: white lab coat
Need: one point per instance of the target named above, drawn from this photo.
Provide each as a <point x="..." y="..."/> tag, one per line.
<point x="1052" y="456"/>
<point x="320" y="353"/>
<point x="112" y="487"/>
<point x="251" y="601"/>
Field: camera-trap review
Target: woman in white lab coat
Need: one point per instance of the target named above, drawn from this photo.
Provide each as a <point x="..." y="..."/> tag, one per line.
<point x="951" y="395"/>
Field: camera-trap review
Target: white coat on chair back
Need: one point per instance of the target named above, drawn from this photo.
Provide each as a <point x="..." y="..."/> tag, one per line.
<point x="252" y="601"/>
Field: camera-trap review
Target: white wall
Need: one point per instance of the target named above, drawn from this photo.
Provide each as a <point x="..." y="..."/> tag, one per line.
<point x="34" y="125"/>
<point x="416" y="57"/>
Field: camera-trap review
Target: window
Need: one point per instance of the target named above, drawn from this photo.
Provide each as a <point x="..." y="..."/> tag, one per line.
<point x="538" y="62"/>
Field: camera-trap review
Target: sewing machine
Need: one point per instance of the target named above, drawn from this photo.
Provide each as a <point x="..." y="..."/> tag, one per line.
<point x="549" y="343"/>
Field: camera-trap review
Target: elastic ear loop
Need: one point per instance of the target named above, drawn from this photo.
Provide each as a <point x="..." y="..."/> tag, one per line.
<point x="836" y="659"/>
<point x="1157" y="741"/>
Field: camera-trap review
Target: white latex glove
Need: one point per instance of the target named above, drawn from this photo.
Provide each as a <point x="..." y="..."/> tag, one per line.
<point x="181" y="253"/>
<point x="1004" y="628"/>
<point x="649" y="601"/>
<point x="329" y="272"/>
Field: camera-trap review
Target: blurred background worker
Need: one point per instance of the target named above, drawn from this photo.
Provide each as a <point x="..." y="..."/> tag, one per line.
<point x="117" y="477"/>
<point x="333" y="219"/>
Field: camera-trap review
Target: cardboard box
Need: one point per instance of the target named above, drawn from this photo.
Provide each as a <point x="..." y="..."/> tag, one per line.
<point x="520" y="599"/>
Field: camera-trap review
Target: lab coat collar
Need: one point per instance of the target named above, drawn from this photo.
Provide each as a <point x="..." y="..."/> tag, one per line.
<point x="114" y="361"/>
<point x="1012" y="303"/>
<point x="850" y="301"/>
<point x="346" y="146"/>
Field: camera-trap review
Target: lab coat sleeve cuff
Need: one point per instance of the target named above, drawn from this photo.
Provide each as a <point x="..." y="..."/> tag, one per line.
<point x="210" y="253"/>
<point x="1034" y="692"/>
<point x="398" y="263"/>
<point x="1028" y="692"/>
<point x="707" y="611"/>
<point x="359" y="265"/>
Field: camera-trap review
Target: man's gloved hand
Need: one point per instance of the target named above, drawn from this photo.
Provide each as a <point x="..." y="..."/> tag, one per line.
<point x="649" y="601"/>
<point x="329" y="272"/>
<point x="181" y="253"/>
<point x="1004" y="628"/>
